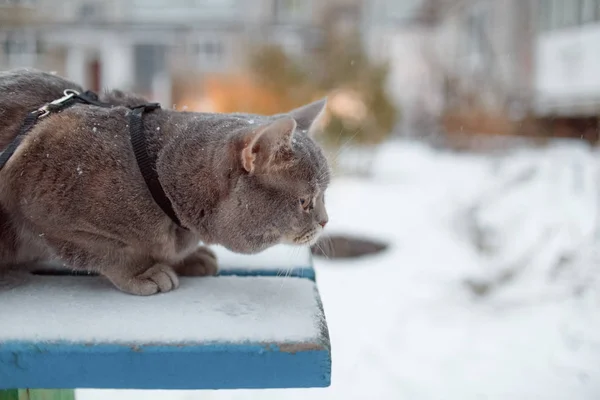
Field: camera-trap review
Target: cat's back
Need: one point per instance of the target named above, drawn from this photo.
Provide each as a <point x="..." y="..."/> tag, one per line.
<point x="78" y="165"/>
<point x="24" y="90"/>
<point x="82" y="139"/>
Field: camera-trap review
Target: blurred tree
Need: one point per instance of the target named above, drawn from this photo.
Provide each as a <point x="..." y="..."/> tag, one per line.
<point x="272" y="84"/>
<point x="359" y="108"/>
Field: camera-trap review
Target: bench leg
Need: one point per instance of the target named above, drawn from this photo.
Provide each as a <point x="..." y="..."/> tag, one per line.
<point x="12" y="394"/>
<point x="37" y="394"/>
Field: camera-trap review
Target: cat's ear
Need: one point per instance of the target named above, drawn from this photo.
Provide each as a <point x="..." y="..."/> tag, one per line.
<point x="266" y="142"/>
<point x="309" y="115"/>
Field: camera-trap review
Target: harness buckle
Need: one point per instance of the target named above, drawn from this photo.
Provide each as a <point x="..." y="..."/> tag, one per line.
<point x="67" y="94"/>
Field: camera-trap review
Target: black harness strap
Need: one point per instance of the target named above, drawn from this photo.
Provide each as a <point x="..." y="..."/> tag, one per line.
<point x="146" y="163"/>
<point x="27" y="124"/>
<point x="70" y="97"/>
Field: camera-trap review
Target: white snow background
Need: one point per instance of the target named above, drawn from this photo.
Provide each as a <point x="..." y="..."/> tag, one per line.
<point x="521" y="227"/>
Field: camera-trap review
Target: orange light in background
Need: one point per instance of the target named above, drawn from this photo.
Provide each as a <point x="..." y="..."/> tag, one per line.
<point x="348" y="104"/>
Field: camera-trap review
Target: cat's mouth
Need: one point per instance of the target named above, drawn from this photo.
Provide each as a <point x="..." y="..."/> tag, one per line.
<point x="308" y="238"/>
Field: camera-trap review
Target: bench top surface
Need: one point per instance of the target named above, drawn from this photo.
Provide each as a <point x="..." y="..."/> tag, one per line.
<point x="202" y="310"/>
<point x="262" y="329"/>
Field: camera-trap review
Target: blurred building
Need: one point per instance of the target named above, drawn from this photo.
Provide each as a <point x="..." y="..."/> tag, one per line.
<point x="567" y="56"/>
<point x="505" y="60"/>
<point x="511" y="57"/>
<point x="142" y="44"/>
<point x="130" y="44"/>
<point x="453" y="54"/>
<point x="393" y="33"/>
<point x="487" y="46"/>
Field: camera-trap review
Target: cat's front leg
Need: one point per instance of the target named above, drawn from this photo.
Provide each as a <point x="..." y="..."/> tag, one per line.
<point x="12" y="272"/>
<point x="130" y="271"/>
<point x="158" y="278"/>
<point x="202" y="262"/>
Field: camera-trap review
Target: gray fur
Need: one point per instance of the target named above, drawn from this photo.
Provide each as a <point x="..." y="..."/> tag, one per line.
<point x="73" y="191"/>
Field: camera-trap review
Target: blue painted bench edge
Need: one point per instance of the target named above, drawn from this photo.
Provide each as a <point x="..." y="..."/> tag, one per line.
<point x="177" y="366"/>
<point x="298" y="272"/>
<point x="307" y="272"/>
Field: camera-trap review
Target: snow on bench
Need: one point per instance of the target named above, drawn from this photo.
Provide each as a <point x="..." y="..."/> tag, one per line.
<point x="277" y="260"/>
<point x="254" y="327"/>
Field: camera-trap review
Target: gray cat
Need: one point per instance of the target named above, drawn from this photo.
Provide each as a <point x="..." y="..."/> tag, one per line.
<point x="73" y="191"/>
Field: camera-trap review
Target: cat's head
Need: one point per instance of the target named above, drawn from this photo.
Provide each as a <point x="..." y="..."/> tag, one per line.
<point x="279" y="195"/>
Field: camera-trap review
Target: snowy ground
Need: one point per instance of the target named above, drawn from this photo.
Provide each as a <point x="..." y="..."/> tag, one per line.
<point x="404" y="325"/>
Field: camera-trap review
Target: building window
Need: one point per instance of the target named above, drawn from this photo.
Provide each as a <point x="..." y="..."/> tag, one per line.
<point x="150" y="62"/>
<point x="564" y="14"/>
<point x="286" y="10"/>
<point x="477" y="21"/>
<point x="90" y="11"/>
<point x="400" y="10"/>
<point x="14" y="45"/>
<point x="556" y="17"/>
<point x="544" y="19"/>
<point x="19" y="44"/>
<point x="571" y="12"/>
<point x="22" y="3"/>
<point x="209" y="52"/>
<point x="20" y="48"/>
<point x="587" y="11"/>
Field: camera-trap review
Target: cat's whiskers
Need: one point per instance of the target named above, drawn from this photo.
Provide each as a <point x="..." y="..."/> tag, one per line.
<point x="330" y="246"/>
<point x="334" y="154"/>
<point x="318" y="245"/>
<point x="288" y="271"/>
<point x="323" y="171"/>
<point x="342" y="148"/>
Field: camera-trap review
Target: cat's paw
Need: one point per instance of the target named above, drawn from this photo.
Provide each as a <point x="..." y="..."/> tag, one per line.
<point x="203" y="262"/>
<point x="158" y="278"/>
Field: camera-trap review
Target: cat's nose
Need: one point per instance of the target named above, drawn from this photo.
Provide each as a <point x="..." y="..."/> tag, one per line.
<point x="323" y="222"/>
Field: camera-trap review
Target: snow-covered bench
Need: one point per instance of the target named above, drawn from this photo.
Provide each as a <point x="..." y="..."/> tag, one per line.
<point x="259" y="324"/>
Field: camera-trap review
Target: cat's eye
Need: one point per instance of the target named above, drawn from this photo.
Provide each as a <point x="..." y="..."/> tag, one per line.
<point x="304" y="203"/>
